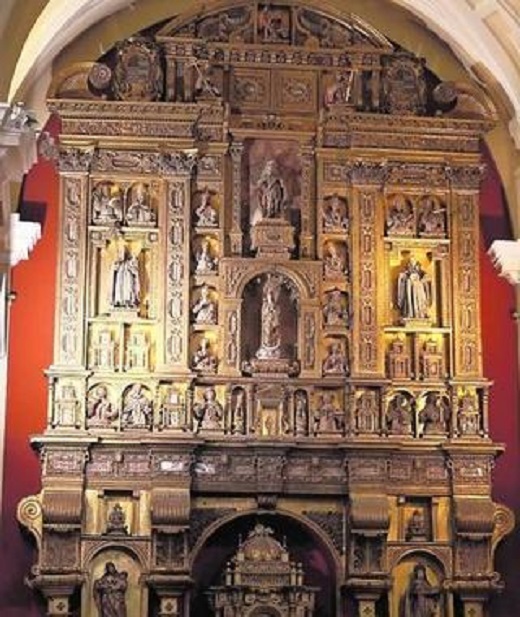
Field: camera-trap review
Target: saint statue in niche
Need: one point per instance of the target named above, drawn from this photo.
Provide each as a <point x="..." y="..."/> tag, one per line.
<point x="271" y="336"/>
<point x="140" y="211"/>
<point x="209" y="413"/>
<point x="422" y="598"/>
<point x="107" y="206"/>
<point x="400" y="217"/>
<point x="432" y="217"/>
<point x="413" y="291"/>
<point x="205" y="263"/>
<point x="206" y="213"/>
<point x="433" y="415"/>
<point x="126" y="285"/>
<point x="336" y="362"/>
<point x="334" y="261"/>
<point x="204" y="310"/>
<point x="335" y="310"/>
<point x="203" y="359"/>
<point x="334" y="213"/>
<point x="271" y="192"/>
<point x="137" y="409"/>
<point x="400" y="415"/>
<point x="100" y="411"/>
<point x="109" y="592"/>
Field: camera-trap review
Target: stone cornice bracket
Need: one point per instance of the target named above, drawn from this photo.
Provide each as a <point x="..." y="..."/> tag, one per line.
<point x="505" y="256"/>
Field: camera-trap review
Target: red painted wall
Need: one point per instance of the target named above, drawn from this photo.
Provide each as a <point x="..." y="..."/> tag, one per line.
<point x="31" y="352"/>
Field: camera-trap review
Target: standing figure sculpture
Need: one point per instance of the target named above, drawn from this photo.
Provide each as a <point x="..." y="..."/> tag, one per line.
<point x="271" y="191"/>
<point x="204" y="310"/>
<point x="126" y="286"/>
<point x="109" y="592"/>
<point x="413" y="291"/>
<point x="271" y="337"/>
<point x="422" y="598"/>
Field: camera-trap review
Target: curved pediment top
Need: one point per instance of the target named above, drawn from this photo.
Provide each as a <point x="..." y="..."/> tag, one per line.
<point x="285" y="23"/>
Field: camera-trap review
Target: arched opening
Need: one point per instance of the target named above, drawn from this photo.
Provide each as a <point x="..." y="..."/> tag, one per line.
<point x="303" y="545"/>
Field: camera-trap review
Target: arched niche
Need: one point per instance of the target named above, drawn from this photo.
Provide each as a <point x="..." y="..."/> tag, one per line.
<point x="305" y="545"/>
<point x="419" y="586"/>
<point x="127" y="576"/>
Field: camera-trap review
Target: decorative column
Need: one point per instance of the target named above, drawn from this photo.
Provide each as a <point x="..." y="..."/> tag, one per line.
<point x="178" y="169"/>
<point x="308" y="231"/>
<point x="367" y="180"/>
<point x="17" y="238"/>
<point x="235" y="235"/>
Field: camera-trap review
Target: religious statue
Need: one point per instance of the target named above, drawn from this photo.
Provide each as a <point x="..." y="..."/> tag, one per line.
<point x="400" y="415"/>
<point x="334" y="263"/>
<point x="432" y="416"/>
<point x="422" y="598"/>
<point x="271" y="192"/>
<point x="209" y="413"/>
<point x="100" y="410"/>
<point x="139" y="211"/>
<point x="239" y="411"/>
<point x="400" y="217"/>
<point x="206" y="214"/>
<point x="301" y="413"/>
<point x="328" y="418"/>
<point x="335" y="310"/>
<point x="336" y="362"/>
<point x="334" y="214"/>
<point x="203" y="359"/>
<point x="413" y="291"/>
<point x="432" y="218"/>
<point x="271" y="336"/>
<point x="205" y="262"/>
<point x="416" y="527"/>
<point x="126" y="285"/>
<point x="340" y="91"/>
<point x="109" y="592"/>
<point x="469" y="415"/>
<point x="205" y="309"/>
<point x="366" y="413"/>
<point x="107" y="205"/>
<point x="272" y="25"/>
<point x="116" y="521"/>
<point x="137" y="408"/>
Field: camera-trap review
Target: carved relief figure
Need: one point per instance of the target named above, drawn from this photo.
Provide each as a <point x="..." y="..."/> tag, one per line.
<point x="271" y="338"/>
<point x="335" y="311"/>
<point x="271" y="192"/>
<point x="416" y="527"/>
<point x="110" y="591"/>
<point x="209" y="413"/>
<point x="238" y="411"/>
<point x="273" y="24"/>
<point x="126" y="285"/>
<point x="400" y="217"/>
<point x="366" y="412"/>
<point x="203" y="359"/>
<point x="140" y="211"/>
<point x="335" y="214"/>
<point x="205" y="309"/>
<point x="137" y="408"/>
<point x="107" y="204"/>
<point x="432" y="218"/>
<point x="116" y="520"/>
<point x="433" y="415"/>
<point x="301" y="413"/>
<point x="400" y="415"/>
<point x="100" y="410"/>
<point x="340" y="91"/>
<point x="204" y="88"/>
<point x="334" y="261"/>
<point x="422" y="598"/>
<point x="413" y="291"/>
<point x="328" y="417"/>
<point x="336" y="362"/>
<point x="207" y="216"/>
<point x="205" y="262"/>
<point x="469" y="415"/>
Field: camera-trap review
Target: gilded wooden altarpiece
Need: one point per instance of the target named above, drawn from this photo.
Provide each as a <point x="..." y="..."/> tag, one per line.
<point x="268" y="306"/>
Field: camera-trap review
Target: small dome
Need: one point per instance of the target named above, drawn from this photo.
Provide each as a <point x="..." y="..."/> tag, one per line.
<point x="261" y="546"/>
